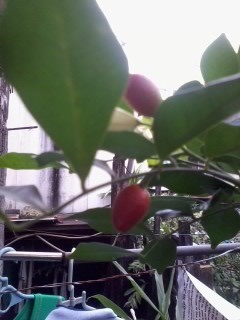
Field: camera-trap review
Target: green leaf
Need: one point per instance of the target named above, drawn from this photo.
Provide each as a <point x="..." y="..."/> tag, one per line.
<point x="167" y="297"/>
<point x="220" y="223"/>
<point x="26" y="161"/>
<point x="136" y="286"/>
<point x="196" y="145"/>
<point x="221" y="140"/>
<point x="107" y="303"/>
<point x="68" y="68"/>
<point x="160" y="289"/>
<point x="172" y="203"/>
<point x="28" y="194"/>
<point x="18" y="161"/>
<point x="129" y="145"/>
<point x="164" y="299"/>
<point x="159" y="254"/>
<point x="219" y="60"/>
<point x="191" y="182"/>
<point x="125" y="106"/>
<point x="100" y="219"/>
<point x="229" y="162"/>
<point x="98" y="252"/>
<point x="185" y="116"/>
<point x="48" y="158"/>
<point x="153" y="162"/>
<point x="188" y="86"/>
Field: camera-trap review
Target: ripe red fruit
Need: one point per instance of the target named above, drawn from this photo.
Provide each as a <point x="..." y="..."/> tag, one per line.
<point x="142" y="95"/>
<point x="130" y="207"/>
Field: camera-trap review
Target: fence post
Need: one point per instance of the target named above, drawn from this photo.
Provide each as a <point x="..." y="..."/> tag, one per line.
<point x="185" y="239"/>
<point x="206" y="275"/>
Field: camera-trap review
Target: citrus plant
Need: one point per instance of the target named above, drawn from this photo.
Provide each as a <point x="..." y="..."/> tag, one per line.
<point x="72" y="74"/>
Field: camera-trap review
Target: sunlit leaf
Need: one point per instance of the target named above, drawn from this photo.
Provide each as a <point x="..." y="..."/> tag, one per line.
<point x="28" y="194"/>
<point x="63" y="61"/>
<point x="122" y="120"/>
<point x="219" y="60"/>
<point x="129" y="145"/>
<point x="185" y="116"/>
<point x="159" y="254"/>
<point x="153" y="162"/>
<point x="95" y="251"/>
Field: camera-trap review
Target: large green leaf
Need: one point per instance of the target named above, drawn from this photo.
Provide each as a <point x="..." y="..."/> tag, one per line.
<point x="159" y="254"/>
<point x="185" y="116"/>
<point x="173" y="203"/>
<point x="219" y="60"/>
<point x="96" y="251"/>
<point x="68" y="68"/>
<point x="107" y="303"/>
<point x="222" y="140"/>
<point x="129" y="145"/>
<point x="189" y="181"/>
<point x="100" y="219"/>
<point x="221" y="223"/>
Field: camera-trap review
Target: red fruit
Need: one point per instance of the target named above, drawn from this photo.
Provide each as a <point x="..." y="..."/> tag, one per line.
<point x="130" y="207"/>
<point x="142" y="95"/>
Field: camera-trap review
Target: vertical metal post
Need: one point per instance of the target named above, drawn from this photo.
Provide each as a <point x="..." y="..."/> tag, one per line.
<point x="119" y="169"/>
<point x="4" y="103"/>
<point x="157" y="218"/>
<point x="185" y="239"/>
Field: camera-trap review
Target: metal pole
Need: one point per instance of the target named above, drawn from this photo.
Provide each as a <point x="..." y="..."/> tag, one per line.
<point x="58" y="256"/>
<point x="206" y="249"/>
<point x="34" y="256"/>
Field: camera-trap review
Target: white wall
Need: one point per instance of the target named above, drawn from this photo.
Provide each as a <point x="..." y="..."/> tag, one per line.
<point x="35" y="141"/>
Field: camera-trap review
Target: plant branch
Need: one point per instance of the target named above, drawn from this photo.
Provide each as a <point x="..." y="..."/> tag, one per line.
<point x="207" y="163"/>
<point x="220" y="175"/>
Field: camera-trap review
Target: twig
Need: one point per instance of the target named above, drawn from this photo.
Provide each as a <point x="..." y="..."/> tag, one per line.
<point x="50" y="244"/>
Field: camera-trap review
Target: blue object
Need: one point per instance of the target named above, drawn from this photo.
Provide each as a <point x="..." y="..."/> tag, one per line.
<point x="76" y="314"/>
<point x="15" y="295"/>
